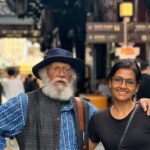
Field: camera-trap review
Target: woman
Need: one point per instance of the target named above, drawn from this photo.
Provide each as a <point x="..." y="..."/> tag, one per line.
<point x="108" y="126"/>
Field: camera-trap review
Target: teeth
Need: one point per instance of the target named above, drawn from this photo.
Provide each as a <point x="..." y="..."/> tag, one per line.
<point x="122" y="92"/>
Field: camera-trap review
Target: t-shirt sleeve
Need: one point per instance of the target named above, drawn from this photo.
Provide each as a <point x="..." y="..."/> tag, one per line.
<point x="93" y="130"/>
<point x="13" y="116"/>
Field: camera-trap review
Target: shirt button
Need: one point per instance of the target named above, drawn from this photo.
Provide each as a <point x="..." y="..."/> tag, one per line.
<point x="58" y="118"/>
<point x="56" y="134"/>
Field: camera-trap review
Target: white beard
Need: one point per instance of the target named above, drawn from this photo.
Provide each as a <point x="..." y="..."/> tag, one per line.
<point x="63" y="95"/>
<point x="60" y="94"/>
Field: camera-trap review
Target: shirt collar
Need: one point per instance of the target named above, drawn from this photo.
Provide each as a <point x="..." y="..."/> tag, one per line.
<point x="68" y="106"/>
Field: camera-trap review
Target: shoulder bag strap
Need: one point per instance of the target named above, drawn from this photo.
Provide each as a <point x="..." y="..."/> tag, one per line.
<point x="127" y="126"/>
<point x="80" y="111"/>
<point x="81" y="119"/>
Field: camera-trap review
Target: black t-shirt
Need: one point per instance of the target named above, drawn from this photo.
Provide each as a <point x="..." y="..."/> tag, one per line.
<point x="103" y="127"/>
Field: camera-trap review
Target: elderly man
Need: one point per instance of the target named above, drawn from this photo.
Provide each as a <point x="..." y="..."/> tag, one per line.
<point x="49" y="118"/>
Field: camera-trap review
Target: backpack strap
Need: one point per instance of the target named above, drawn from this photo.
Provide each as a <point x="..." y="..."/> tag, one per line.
<point x="81" y="120"/>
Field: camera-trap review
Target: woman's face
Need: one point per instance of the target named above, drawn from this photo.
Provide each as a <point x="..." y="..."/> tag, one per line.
<point x="123" y="85"/>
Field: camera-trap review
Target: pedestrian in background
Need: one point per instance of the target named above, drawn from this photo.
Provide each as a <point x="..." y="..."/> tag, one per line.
<point x="28" y="83"/>
<point x="12" y="85"/>
<point x="35" y="84"/>
<point x="144" y="89"/>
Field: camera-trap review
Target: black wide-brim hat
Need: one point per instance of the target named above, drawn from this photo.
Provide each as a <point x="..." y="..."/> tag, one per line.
<point x="59" y="55"/>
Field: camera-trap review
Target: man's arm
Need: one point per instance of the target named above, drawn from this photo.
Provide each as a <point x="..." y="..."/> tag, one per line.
<point x="2" y="143"/>
<point x="92" y="109"/>
<point x="12" y="117"/>
<point x="145" y="103"/>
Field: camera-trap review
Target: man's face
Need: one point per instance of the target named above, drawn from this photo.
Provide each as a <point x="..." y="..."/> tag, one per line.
<point x="60" y="74"/>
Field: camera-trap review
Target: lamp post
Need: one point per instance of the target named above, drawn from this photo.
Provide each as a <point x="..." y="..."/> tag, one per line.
<point x="126" y="11"/>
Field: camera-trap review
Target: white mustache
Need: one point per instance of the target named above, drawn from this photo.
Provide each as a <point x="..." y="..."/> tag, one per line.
<point x="61" y="94"/>
<point x="60" y="80"/>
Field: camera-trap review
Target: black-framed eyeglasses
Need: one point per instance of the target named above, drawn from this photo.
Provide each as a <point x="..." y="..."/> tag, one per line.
<point x="119" y="81"/>
<point x="57" y="70"/>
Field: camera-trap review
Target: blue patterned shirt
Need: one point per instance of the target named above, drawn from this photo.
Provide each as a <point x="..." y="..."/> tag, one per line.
<point x="13" y="116"/>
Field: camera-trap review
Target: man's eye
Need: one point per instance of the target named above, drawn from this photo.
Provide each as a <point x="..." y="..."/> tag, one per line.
<point x="67" y="70"/>
<point x="55" y="69"/>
